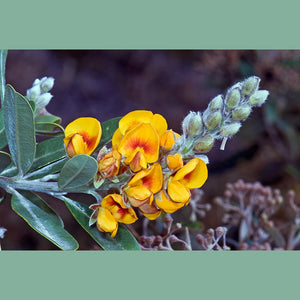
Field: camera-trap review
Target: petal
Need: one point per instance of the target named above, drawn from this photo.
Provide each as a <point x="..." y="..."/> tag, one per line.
<point x="193" y="174"/>
<point x="143" y="136"/>
<point x="75" y="145"/>
<point x="178" y="192"/>
<point x="151" y="212"/>
<point x="166" y="204"/>
<point x="127" y="217"/>
<point x="151" y="178"/>
<point x="159" y="123"/>
<point x="168" y="139"/>
<point x="136" y="160"/>
<point x="90" y="130"/>
<point x="133" y="118"/>
<point x="112" y="200"/>
<point x="106" y="222"/>
<point x="116" y="139"/>
<point x="138" y="192"/>
<point x="174" y="162"/>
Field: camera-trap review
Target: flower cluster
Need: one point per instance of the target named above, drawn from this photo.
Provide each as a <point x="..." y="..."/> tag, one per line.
<point x="149" y="173"/>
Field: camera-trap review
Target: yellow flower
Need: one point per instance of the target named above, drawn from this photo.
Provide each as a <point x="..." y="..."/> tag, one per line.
<point x="112" y="211"/>
<point x="143" y="185"/>
<point x="82" y="136"/>
<point x="174" y="162"/>
<point x="150" y="211"/>
<point x="192" y="175"/>
<point x="140" y="146"/>
<point x="109" y="163"/>
<point x="168" y="139"/>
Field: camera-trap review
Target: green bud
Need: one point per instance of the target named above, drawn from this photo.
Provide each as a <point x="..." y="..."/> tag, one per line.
<point x="47" y="84"/>
<point x="43" y="100"/>
<point x="212" y="120"/>
<point x="204" y="144"/>
<point x="230" y="129"/>
<point x="258" y="98"/>
<point x="250" y="85"/>
<point x="242" y="112"/>
<point x="33" y="92"/>
<point x="216" y="103"/>
<point x="233" y="98"/>
<point x="192" y="124"/>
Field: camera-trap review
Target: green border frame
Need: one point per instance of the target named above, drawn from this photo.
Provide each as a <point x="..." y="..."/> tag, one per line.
<point x="140" y="24"/>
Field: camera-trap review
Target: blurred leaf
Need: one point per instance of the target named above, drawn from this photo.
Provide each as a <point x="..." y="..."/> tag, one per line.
<point x="3" y="140"/>
<point x="108" y="129"/>
<point x="77" y="171"/>
<point x="48" y="151"/>
<point x="40" y="216"/>
<point x="5" y="160"/>
<point x="3" y="55"/>
<point x="124" y="240"/>
<point x="19" y="124"/>
<point x="243" y="234"/>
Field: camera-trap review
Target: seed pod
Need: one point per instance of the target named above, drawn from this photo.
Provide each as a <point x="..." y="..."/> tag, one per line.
<point x="242" y="112"/>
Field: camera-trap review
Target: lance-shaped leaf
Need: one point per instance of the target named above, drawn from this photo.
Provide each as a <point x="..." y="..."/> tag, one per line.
<point x="19" y="127"/>
<point x="48" y="151"/>
<point x="41" y="217"/>
<point x="3" y="141"/>
<point x="3" y="55"/>
<point x="124" y="240"/>
<point x="77" y="172"/>
<point x="108" y="129"/>
<point x="5" y="160"/>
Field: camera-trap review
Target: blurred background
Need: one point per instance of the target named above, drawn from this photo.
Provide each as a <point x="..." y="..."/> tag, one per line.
<point x="106" y="84"/>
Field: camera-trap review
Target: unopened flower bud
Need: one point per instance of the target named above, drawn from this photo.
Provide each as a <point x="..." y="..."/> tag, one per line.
<point x="43" y="100"/>
<point x="212" y="120"/>
<point x="258" y="98"/>
<point x="233" y="98"/>
<point x="33" y="92"/>
<point x="216" y="103"/>
<point x="250" y="85"/>
<point x="230" y="129"/>
<point x="241" y="112"/>
<point x="204" y="144"/>
<point x="192" y="124"/>
<point x="47" y="84"/>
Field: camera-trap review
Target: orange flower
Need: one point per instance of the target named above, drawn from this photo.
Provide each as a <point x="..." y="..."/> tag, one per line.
<point x="143" y="185"/>
<point x="82" y="136"/>
<point x="111" y="211"/>
<point x="109" y="163"/>
<point x="192" y="175"/>
<point x="168" y="139"/>
<point x="140" y="146"/>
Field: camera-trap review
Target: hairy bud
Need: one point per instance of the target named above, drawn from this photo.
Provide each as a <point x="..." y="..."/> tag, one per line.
<point x="47" y="84"/>
<point x="192" y="124"/>
<point x="230" y="129"/>
<point x="250" y="85"/>
<point x="204" y="144"/>
<point x="212" y="120"/>
<point x="233" y="98"/>
<point x="242" y="112"/>
<point x="216" y="103"/>
<point x="258" y="98"/>
<point x="43" y="100"/>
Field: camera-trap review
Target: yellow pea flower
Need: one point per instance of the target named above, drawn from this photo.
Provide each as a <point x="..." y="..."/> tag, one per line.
<point x="166" y="204"/>
<point x="112" y="211"/>
<point x="150" y="211"/>
<point x="174" y="162"/>
<point x="168" y="139"/>
<point x="143" y="185"/>
<point x="109" y="163"/>
<point x="82" y="136"/>
<point x="140" y="146"/>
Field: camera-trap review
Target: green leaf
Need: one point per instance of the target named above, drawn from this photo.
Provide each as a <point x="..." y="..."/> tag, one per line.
<point x="3" y="55"/>
<point x="3" y="140"/>
<point x="77" y="171"/>
<point x="5" y="160"/>
<point x="19" y="124"/>
<point x="108" y="129"/>
<point x="124" y="240"/>
<point x="48" y="151"/>
<point x="46" y="124"/>
<point x="36" y="212"/>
